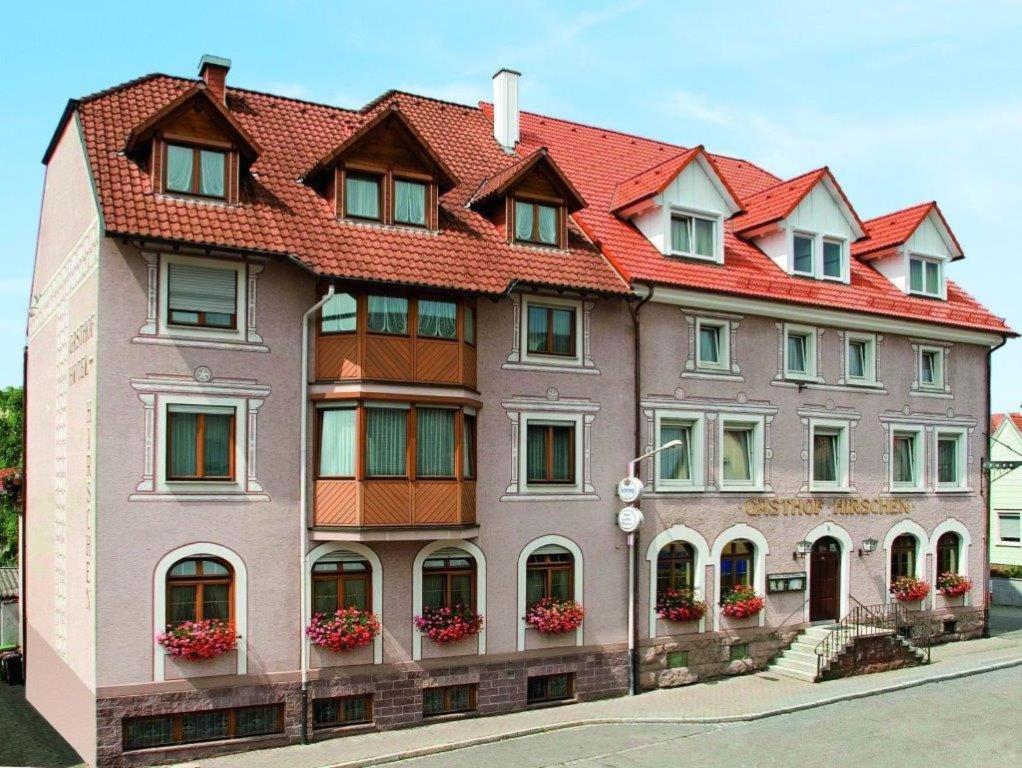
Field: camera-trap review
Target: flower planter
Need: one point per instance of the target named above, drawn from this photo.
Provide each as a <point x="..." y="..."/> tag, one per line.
<point x="953" y="584"/>
<point x="199" y="640"/>
<point x="345" y="630"/>
<point x="555" y="617"/>
<point x="908" y="589"/>
<point x="742" y="602"/>
<point x="679" y="606"/>
<point x="449" y="625"/>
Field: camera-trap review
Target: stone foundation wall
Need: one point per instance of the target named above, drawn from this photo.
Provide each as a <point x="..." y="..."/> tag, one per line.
<point x="868" y="655"/>
<point x="397" y="701"/>
<point x="969" y="623"/>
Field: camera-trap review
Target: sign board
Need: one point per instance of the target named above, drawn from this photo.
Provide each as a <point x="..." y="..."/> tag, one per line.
<point x="629" y="490"/>
<point x="841" y="506"/>
<point x="629" y="519"/>
<point x="786" y="582"/>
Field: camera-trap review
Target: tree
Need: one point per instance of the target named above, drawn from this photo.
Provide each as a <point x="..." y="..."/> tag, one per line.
<point x="12" y="415"/>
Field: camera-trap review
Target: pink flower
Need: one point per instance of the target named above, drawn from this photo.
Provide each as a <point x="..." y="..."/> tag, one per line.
<point x="344" y="630"/>
<point x="554" y="617"/>
<point x="199" y="640"/>
<point x="907" y="589"/>
<point x="741" y="602"/>
<point x="679" y="605"/>
<point x="449" y="625"/>
<point x="953" y="584"/>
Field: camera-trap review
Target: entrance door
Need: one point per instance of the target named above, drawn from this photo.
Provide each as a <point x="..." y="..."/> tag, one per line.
<point x="825" y="580"/>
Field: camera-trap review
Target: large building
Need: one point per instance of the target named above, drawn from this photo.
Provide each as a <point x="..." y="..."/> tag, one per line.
<point x="286" y="358"/>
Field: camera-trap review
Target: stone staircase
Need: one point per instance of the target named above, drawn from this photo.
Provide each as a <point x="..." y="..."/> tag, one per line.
<point x="799" y="660"/>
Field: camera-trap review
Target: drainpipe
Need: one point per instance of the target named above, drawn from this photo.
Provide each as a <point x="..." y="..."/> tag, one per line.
<point x="985" y="482"/>
<point x="303" y="533"/>
<point x="23" y="523"/>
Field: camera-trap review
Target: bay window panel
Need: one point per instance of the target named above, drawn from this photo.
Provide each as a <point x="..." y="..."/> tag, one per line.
<point x="470" y="325"/>
<point x="547" y="224"/>
<point x="704" y="237"/>
<point x="180" y="164"/>
<point x="339" y="314"/>
<point x="438" y="319"/>
<point x="211" y="165"/>
<point x="409" y="202"/>
<point x="337" y="443"/>
<point x="675" y="463"/>
<point x="386" y="441"/>
<point x="434" y="443"/>
<point x="388" y="314"/>
<point x="362" y="196"/>
<point x="468" y="446"/>
<point x="738" y="455"/>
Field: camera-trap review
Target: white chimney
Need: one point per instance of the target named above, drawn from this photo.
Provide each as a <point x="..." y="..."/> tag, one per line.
<point x="505" y="108"/>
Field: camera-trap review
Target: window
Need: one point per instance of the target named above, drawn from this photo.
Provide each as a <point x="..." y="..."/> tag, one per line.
<point x="448" y="579"/>
<point x="739" y="651"/>
<point x="741" y="454"/>
<point x="386" y="441"/>
<point x="342" y="710"/>
<point x="448" y="700"/>
<point x="199" y="588"/>
<point x="736" y="563"/>
<point x="550" y="453"/>
<point x="388" y="314"/>
<point x="803" y="262"/>
<point x="204" y="297"/>
<point x="951" y="456"/>
<point x="535" y="223"/>
<point x="677" y="659"/>
<point x="470" y="325"/>
<point x="860" y="359"/>
<point x="409" y="202"/>
<point x="712" y="345"/>
<point x="551" y="330"/>
<point x="341" y="580"/>
<point x="833" y="259"/>
<point x="549" y="572"/>
<point x="948" y="552"/>
<point x="339" y="314"/>
<point x="434" y="442"/>
<point x="200" y="443"/>
<point x="438" y="319"/>
<point x="693" y="236"/>
<point x="337" y="442"/>
<point x="931" y="368"/>
<point x="542" y="688"/>
<point x="676" y="463"/>
<point x="903" y="557"/>
<point x="675" y="567"/>
<point x="906" y="467"/>
<point x="362" y="196"/>
<point x="799" y="352"/>
<point x="195" y="171"/>
<point x="1009" y="528"/>
<point x="925" y="277"/>
<point x="468" y="445"/>
<point x="829" y="456"/>
<point x="194" y="727"/>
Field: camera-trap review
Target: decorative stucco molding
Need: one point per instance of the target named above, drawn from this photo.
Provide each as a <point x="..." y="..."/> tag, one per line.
<point x="731" y="323"/>
<point x="518" y="359"/>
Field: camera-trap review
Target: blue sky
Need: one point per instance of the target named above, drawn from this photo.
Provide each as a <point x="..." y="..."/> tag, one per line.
<point x="904" y="101"/>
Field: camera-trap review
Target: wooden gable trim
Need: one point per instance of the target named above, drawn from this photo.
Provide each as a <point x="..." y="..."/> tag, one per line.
<point x="572" y="199"/>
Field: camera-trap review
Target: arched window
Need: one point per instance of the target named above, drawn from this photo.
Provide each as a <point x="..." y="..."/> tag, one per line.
<point x="549" y="572"/>
<point x="675" y="567"/>
<point x="200" y="588"/>
<point x="736" y="561"/>
<point x="448" y="579"/>
<point x="903" y="556"/>
<point x="948" y="549"/>
<point x="341" y="580"/>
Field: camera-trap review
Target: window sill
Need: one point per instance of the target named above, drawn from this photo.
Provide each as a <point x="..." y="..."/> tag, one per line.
<point x="530" y="364"/>
<point x="712" y="374"/>
<point x="938" y="393"/>
<point x="959" y="489"/>
<point x="193" y="495"/>
<point x="693" y="257"/>
<point x="741" y="489"/>
<point x="678" y="489"/>
<point x="828" y="489"/>
<point x="237" y="344"/>
<point x="799" y="378"/>
<point x="908" y="491"/>
<point x="566" y="495"/>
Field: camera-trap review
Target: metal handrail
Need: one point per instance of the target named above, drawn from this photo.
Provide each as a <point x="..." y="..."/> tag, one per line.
<point x="864" y="620"/>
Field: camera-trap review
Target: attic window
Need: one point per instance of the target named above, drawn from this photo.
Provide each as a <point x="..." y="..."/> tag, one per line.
<point x="693" y="236"/>
<point x="409" y="202"/>
<point x="195" y="171"/>
<point x="362" y="196"/>
<point x="536" y="223"/>
<point x="925" y="277"/>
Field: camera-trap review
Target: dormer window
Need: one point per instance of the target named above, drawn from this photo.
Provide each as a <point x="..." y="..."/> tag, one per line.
<point x="693" y="236"/>
<point x="409" y="203"/>
<point x="803" y="250"/>
<point x="819" y="256"/>
<point x="362" y="196"/>
<point x="195" y="171"/>
<point x="925" y="276"/>
<point x="536" y="223"/>
<point x="833" y="259"/>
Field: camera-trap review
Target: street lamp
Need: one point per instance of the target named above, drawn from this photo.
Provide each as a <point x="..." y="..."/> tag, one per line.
<point x="629" y="520"/>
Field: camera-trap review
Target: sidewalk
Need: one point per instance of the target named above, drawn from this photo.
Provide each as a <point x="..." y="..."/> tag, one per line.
<point x="747" y="697"/>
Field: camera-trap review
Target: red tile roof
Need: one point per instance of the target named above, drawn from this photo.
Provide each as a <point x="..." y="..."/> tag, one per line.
<point x="894" y="229"/>
<point x="281" y="215"/>
<point x="773" y="204"/>
<point x="498" y="184"/>
<point x="651" y="181"/>
<point x="998" y="418"/>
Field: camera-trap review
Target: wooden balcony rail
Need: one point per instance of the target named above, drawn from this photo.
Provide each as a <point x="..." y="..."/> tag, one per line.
<point x="394" y="503"/>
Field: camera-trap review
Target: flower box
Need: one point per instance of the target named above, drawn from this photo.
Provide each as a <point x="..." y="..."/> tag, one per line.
<point x="908" y="589"/>
<point x="449" y="625"/>
<point x="345" y="630"/>
<point x="555" y="617"/>
<point x="199" y="640"/>
<point x="741" y="602"/>
<point x="953" y="584"/>
<point x="679" y="605"/>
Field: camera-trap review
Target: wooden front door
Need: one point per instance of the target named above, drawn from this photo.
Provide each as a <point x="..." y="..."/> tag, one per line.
<point x="825" y="580"/>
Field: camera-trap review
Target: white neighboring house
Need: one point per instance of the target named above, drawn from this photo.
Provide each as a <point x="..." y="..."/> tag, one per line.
<point x="9" y="607"/>
<point x="1006" y="490"/>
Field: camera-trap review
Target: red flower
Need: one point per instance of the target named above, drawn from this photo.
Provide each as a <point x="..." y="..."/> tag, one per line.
<point x="679" y="605"/>
<point x="344" y="630"/>
<point x="953" y="584"/>
<point x="449" y="625"/>
<point x="199" y="640"/>
<point x="907" y="589"/>
<point x="741" y="602"/>
<point x="554" y="617"/>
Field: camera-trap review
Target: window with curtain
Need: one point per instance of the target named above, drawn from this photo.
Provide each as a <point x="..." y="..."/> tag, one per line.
<point x="675" y="567"/>
<point x="386" y="442"/>
<point x="858" y="350"/>
<point x="676" y="463"/>
<point x="199" y="588"/>
<point x="550" y="453"/>
<point x="200" y="443"/>
<point x="195" y="171"/>
<point x="798" y="353"/>
<point x="438" y="319"/>
<point x="825" y="456"/>
<point x="535" y="223"/>
<point x="1009" y="527"/>
<point x="948" y="549"/>
<point x="434" y="442"/>
<point x="468" y="446"/>
<point x="803" y="263"/>
<point x="930" y="368"/>
<point x="341" y="580"/>
<point x="924" y="277"/>
<point x="339" y="314"/>
<point x="551" y="330"/>
<point x="201" y="296"/>
<point x="388" y="314"/>
<point x="832" y="258"/>
<point x="549" y="572"/>
<point x="947" y="460"/>
<point x="737" y="455"/>
<point x="409" y="202"/>
<point x="448" y="579"/>
<point x="692" y="236"/>
<point x="710" y="350"/>
<point x="904" y="450"/>
<point x="903" y="556"/>
<point x="362" y="196"/>
<point x="337" y="442"/>
<point x="736" y="564"/>
<point x="470" y="325"/>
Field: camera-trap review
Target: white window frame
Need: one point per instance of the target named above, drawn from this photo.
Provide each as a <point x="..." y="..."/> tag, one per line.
<point x="695" y="421"/>
<point x="962" y="458"/>
<point x="694" y="213"/>
<point x="548" y="419"/>
<point x="818" y="239"/>
<point x="842" y="275"/>
<point x="870" y="378"/>
<point x="841" y="428"/>
<point x="165" y="328"/>
<point x="1001" y="541"/>
<point x="941" y="275"/>
<point x="811" y="237"/>
<point x="758" y="459"/>
<point x="573" y="361"/>
<point x="810" y="333"/>
<point x="938" y="352"/>
<point x="723" y="328"/>
<point x="898" y="430"/>
<point x="193" y="487"/>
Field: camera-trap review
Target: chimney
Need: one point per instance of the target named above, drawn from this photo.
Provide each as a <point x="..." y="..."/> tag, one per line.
<point x="213" y="71"/>
<point x="505" y="108"/>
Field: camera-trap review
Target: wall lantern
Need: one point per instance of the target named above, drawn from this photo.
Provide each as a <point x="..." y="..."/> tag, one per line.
<point x="868" y="546"/>
<point x="801" y="549"/>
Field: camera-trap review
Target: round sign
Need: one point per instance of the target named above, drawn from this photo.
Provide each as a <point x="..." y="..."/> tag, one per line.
<point x="629" y="490"/>
<point x="629" y="519"/>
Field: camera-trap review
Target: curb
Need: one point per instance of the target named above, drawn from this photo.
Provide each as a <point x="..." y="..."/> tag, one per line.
<point x="568" y="724"/>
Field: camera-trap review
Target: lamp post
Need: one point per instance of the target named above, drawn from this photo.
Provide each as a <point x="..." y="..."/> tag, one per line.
<point x="629" y="520"/>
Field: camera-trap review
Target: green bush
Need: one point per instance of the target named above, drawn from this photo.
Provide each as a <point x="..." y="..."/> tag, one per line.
<point x="999" y="571"/>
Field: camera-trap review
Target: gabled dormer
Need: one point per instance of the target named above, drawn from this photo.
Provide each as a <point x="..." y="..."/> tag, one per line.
<point x="806" y="225"/>
<point x="912" y="249"/>
<point x="531" y="199"/>
<point x="384" y="173"/>
<point x="680" y="205"/>
<point x="194" y="147"/>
